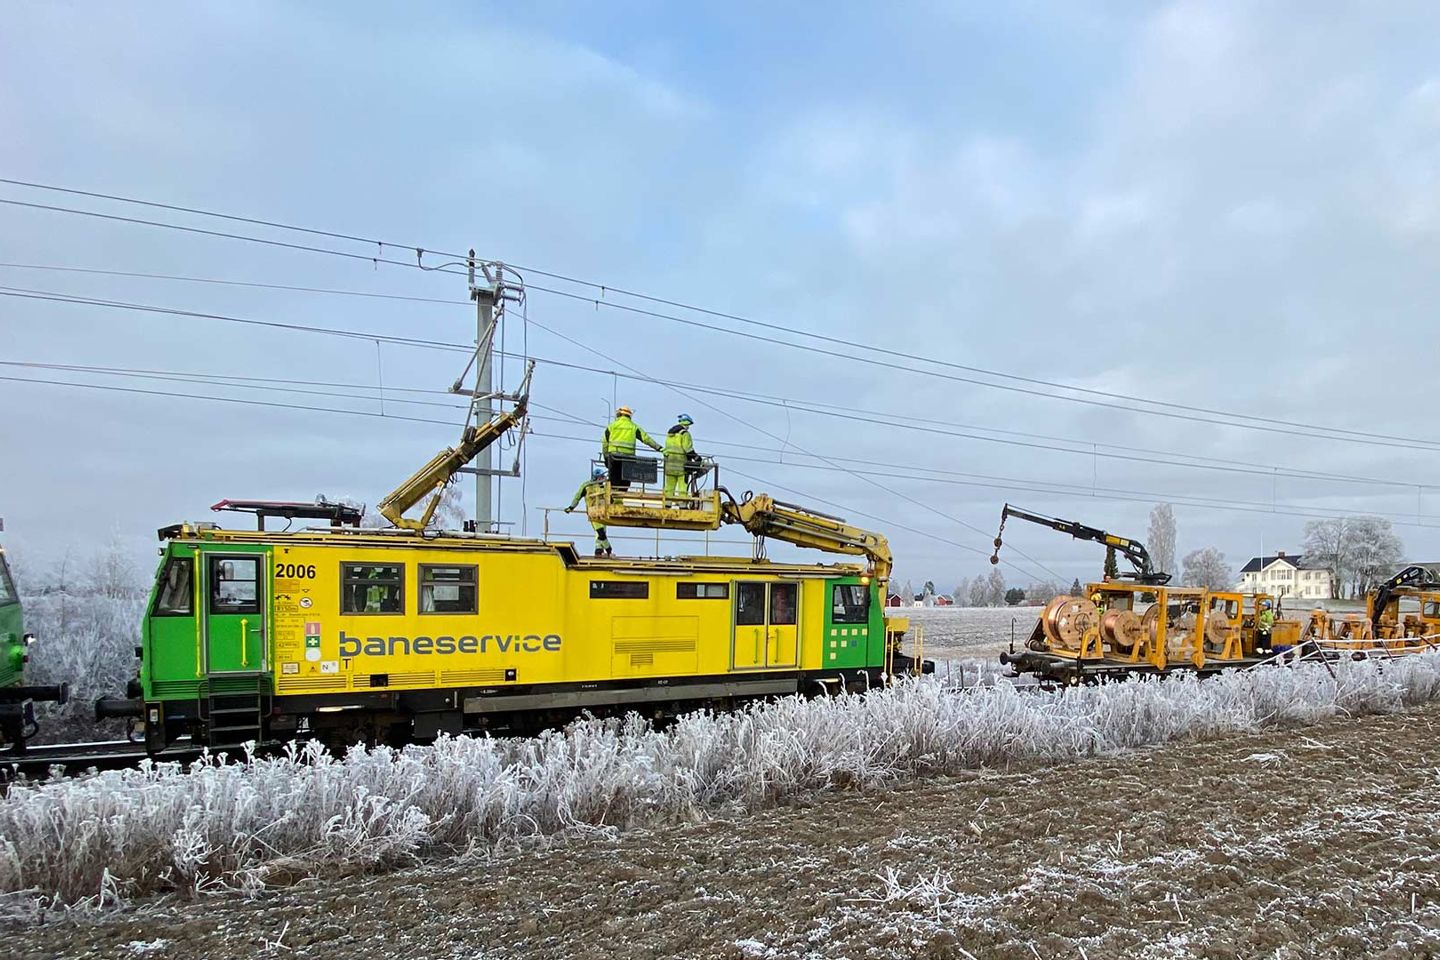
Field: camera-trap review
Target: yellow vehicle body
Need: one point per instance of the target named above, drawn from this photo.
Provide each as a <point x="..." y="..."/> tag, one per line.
<point x="538" y="623"/>
<point x="448" y="627"/>
<point x="1410" y="623"/>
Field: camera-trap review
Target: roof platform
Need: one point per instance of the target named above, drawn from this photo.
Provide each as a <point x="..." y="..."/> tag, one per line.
<point x="633" y="499"/>
<point x="653" y="509"/>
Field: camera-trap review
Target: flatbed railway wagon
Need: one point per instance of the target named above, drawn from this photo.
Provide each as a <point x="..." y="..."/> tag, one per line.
<point x="1120" y="629"/>
<point x="393" y="635"/>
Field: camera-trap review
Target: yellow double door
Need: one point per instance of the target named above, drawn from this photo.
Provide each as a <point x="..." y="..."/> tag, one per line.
<point x="766" y="619"/>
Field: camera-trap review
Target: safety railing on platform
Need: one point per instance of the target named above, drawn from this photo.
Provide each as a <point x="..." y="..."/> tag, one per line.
<point x="705" y="543"/>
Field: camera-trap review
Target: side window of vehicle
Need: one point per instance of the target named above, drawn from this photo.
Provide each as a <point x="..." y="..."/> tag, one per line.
<point x="176" y="596"/>
<point x="850" y="603"/>
<point x="447" y="589"/>
<point x="234" y="585"/>
<point x="619" y="590"/>
<point x="372" y="588"/>
<point x="691" y="590"/>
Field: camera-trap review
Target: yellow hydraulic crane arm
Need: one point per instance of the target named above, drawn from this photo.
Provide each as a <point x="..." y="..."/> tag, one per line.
<point x="432" y="478"/>
<point x="764" y="516"/>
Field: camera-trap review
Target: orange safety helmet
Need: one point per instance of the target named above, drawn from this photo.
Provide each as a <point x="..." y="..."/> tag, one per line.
<point x="623" y="412"/>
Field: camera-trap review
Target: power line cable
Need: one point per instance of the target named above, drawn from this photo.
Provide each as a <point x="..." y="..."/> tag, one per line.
<point x="1027" y="485"/>
<point x="1141" y="496"/>
<point x="889" y="470"/>
<point x="217" y="281"/>
<point x="879" y="418"/>
<point x="870" y="480"/>
<point x="1268" y="424"/>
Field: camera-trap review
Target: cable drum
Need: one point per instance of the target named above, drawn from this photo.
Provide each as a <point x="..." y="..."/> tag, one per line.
<point x="1066" y="620"/>
<point x="1219" y="630"/>
<point x="1149" y="624"/>
<point x="1178" y="632"/>
<point x="1122" y="630"/>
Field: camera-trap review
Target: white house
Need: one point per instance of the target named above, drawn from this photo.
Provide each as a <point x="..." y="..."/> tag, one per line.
<point x="1286" y="576"/>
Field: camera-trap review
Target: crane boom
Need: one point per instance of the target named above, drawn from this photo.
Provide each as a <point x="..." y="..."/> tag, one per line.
<point x="763" y="516"/>
<point x="1411" y="576"/>
<point x="1133" y="550"/>
<point x="431" y="479"/>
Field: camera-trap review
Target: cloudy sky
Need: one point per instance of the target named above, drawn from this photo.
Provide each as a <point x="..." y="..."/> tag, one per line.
<point x="1193" y="212"/>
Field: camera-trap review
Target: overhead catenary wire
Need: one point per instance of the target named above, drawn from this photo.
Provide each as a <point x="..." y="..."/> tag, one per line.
<point x="911" y="423"/>
<point x="1170" y="409"/>
<point x="1019" y="485"/>
<point x="610" y="288"/>
<point x="869" y="480"/>
<point x="930" y="474"/>
<point x="304" y="387"/>
<point x="804" y="333"/>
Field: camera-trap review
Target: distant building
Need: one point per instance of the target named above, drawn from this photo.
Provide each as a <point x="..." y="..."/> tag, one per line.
<point x="1287" y="576"/>
<point x="893" y="600"/>
<point x="943" y="601"/>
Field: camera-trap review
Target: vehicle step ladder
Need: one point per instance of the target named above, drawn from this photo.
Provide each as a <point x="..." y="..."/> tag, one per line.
<point x="235" y="719"/>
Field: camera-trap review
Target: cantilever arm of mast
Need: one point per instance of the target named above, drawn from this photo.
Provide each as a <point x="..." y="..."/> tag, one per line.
<point x="430" y="480"/>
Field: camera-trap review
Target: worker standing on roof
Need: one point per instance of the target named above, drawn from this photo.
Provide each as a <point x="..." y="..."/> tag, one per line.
<point x="597" y="479"/>
<point x="619" y="441"/>
<point x="679" y="451"/>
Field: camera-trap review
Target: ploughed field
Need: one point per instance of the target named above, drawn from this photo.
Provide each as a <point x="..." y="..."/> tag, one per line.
<point x="968" y="633"/>
<point x="1293" y="843"/>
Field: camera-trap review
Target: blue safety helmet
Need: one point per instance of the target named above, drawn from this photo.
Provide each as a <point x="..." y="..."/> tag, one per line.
<point x="598" y="473"/>
<point x="685" y="419"/>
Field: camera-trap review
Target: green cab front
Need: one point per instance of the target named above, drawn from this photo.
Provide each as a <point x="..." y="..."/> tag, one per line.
<point x="203" y="654"/>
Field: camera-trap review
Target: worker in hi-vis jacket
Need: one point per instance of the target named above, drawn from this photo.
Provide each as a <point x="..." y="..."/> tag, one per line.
<point x="597" y="478"/>
<point x="619" y="441"/>
<point x="679" y="451"/>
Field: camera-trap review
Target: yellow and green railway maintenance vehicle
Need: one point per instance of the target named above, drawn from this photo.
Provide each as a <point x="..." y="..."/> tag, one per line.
<point x="342" y="633"/>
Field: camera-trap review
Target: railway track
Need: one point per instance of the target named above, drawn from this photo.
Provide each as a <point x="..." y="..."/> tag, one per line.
<point x="73" y="759"/>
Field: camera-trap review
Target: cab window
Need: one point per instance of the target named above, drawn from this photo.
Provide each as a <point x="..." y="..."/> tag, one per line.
<point x="7" y="586"/>
<point x="447" y="589"/>
<point x="1224" y="608"/>
<point x="1431" y="610"/>
<point x="176" y="595"/>
<point x="850" y="603"/>
<point x="372" y="588"/>
<point x="234" y="583"/>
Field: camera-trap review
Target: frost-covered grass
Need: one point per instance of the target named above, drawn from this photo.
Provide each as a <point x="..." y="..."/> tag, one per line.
<point x="269" y="821"/>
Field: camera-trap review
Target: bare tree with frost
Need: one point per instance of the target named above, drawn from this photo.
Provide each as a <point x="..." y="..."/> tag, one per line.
<point x="1207" y="568"/>
<point x="1161" y="539"/>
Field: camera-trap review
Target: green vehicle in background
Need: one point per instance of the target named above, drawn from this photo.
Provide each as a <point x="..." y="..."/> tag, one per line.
<point x="17" y="701"/>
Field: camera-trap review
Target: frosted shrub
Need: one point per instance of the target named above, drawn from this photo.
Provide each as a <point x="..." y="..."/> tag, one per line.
<point x="267" y="821"/>
<point x="87" y="640"/>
